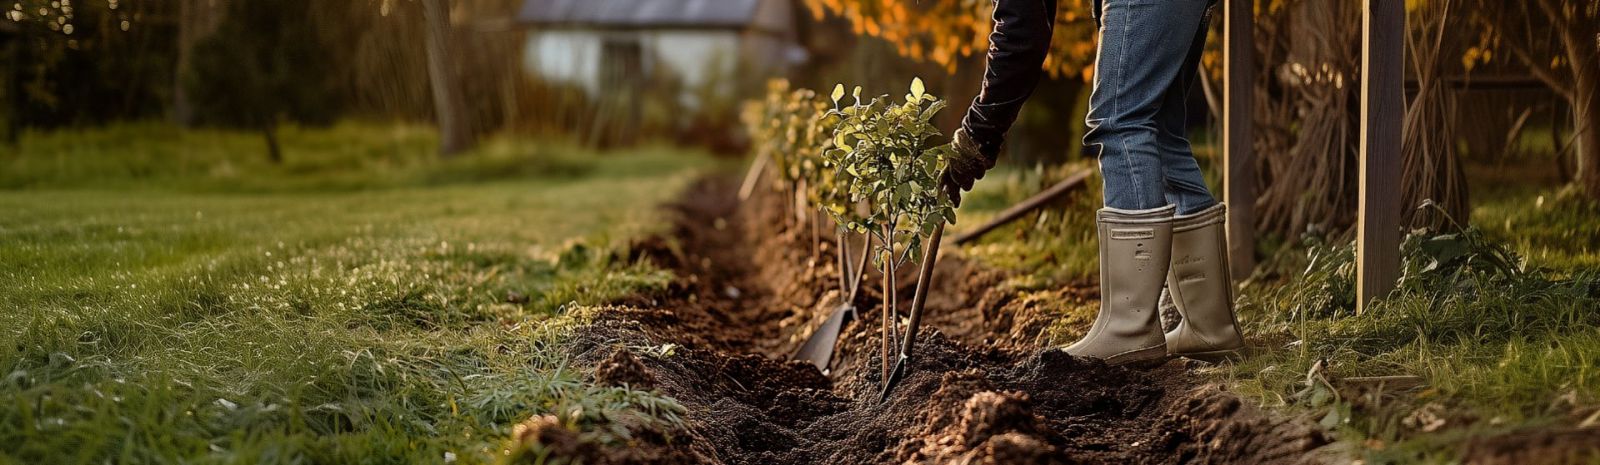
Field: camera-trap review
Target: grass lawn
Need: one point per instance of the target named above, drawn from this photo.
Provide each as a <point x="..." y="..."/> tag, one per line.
<point x="1499" y="323"/>
<point x="171" y="296"/>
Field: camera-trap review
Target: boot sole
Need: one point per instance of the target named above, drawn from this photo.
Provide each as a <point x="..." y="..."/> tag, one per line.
<point x="1143" y="358"/>
<point x="1215" y="356"/>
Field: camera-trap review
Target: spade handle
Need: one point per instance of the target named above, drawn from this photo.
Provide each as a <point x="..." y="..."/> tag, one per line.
<point x="924" y="281"/>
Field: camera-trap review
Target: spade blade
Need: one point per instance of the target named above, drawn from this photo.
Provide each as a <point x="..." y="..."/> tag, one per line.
<point x="899" y="372"/>
<point x="818" y="349"/>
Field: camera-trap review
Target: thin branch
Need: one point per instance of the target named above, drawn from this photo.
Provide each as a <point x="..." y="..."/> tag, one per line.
<point x="1560" y="86"/>
<point x="1553" y="11"/>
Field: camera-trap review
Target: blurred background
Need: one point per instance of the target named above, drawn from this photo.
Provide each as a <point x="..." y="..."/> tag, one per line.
<point x="1492" y="84"/>
<point x="341" y="231"/>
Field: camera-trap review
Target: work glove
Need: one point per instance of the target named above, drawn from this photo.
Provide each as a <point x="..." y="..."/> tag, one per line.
<point x="966" y="166"/>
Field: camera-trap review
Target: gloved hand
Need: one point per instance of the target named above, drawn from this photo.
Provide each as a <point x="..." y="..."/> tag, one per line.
<point x="967" y="165"/>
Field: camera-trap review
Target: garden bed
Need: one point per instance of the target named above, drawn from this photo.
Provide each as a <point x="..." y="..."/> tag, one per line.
<point x="982" y="390"/>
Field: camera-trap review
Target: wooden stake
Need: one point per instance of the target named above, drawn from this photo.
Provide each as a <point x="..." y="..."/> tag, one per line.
<point x="1238" y="134"/>
<point x="752" y="177"/>
<point x="1382" y="107"/>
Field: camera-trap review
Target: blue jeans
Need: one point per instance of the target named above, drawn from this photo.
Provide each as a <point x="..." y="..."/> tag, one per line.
<point x="1148" y="59"/>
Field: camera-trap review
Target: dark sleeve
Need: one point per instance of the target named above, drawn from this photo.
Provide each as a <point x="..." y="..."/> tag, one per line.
<point x="1017" y="48"/>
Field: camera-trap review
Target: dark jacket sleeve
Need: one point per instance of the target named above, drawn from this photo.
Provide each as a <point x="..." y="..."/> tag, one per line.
<point x="1017" y="48"/>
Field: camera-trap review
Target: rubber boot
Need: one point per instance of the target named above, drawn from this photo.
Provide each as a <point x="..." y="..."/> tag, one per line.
<point x="1135" y="248"/>
<point x="1202" y="288"/>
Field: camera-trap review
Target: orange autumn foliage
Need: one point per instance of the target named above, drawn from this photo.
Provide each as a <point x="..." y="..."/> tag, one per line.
<point x="946" y="31"/>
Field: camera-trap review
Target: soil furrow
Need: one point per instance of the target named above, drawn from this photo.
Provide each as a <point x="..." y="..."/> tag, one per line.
<point x="982" y="389"/>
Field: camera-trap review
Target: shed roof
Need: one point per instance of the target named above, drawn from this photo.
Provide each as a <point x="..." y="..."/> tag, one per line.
<point x="642" y="14"/>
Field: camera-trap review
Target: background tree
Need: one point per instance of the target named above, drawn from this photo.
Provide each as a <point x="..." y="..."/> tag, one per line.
<point x="945" y="32"/>
<point x="1558" y="42"/>
<point x="10" y="81"/>
<point x="264" y="64"/>
<point x="196" y="20"/>
<point x="952" y="36"/>
<point x="84" y="62"/>
<point x="449" y="107"/>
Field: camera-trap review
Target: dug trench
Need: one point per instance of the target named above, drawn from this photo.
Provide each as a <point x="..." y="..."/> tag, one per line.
<point x="983" y="387"/>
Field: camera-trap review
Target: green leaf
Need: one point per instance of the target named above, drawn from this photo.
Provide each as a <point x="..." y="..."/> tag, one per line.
<point x="917" y="89"/>
<point x="933" y="109"/>
<point x="838" y="93"/>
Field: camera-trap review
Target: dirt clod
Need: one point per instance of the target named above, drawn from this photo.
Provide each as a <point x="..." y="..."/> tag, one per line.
<point x="546" y="439"/>
<point x="623" y="369"/>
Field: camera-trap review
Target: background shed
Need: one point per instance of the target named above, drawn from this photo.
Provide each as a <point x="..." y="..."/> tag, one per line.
<point x="610" y="45"/>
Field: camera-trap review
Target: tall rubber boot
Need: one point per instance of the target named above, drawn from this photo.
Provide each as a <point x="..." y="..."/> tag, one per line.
<point x="1135" y="248"/>
<point x="1202" y="288"/>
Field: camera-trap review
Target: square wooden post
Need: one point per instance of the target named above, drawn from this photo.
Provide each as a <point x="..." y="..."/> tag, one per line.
<point x="1383" y="24"/>
<point x="1238" y="133"/>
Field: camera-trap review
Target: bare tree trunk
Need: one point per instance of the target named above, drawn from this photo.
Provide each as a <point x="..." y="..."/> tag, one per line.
<point x="1585" y="56"/>
<point x="1585" y="118"/>
<point x="13" y="93"/>
<point x="449" y="107"/>
<point x="182" y="111"/>
<point x="269" y="129"/>
<point x="197" y="19"/>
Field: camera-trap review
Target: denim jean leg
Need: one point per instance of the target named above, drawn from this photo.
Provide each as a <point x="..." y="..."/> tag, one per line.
<point x="1184" y="184"/>
<point x="1143" y="46"/>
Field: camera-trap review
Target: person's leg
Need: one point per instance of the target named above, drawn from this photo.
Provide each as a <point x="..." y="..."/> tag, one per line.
<point x="1199" y="280"/>
<point x="1144" y="45"/>
<point x="1184" y="185"/>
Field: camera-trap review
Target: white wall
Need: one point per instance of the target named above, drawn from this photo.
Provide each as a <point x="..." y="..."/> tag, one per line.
<point x="565" y="56"/>
<point x="696" y="57"/>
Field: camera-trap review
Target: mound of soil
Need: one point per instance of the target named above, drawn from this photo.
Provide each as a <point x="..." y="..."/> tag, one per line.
<point x="1536" y="445"/>
<point x="625" y="370"/>
<point x="981" y="388"/>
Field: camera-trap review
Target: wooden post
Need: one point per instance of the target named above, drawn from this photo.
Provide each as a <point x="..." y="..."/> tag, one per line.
<point x="1238" y="134"/>
<point x="1383" y="29"/>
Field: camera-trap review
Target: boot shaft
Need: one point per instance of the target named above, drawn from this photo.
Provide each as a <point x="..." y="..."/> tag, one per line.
<point x="1135" y="249"/>
<point x="1200" y="284"/>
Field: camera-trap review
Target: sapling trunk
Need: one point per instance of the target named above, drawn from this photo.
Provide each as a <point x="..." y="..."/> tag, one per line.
<point x="890" y="312"/>
<point x="884" y="324"/>
<point x="841" y="252"/>
<point x="861" y="267"/>
<point x="894" y="304"/>
<point x="788" y="207"/>
<point x="816" y="239"/>
<point x="802" y="207"/>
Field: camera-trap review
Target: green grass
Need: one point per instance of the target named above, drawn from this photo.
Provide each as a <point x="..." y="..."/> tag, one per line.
<point x="1552" y="227"/>
<point x="171" y="296"/>
<point x="1498" y="322"/>
<point x="1045" y="248"/>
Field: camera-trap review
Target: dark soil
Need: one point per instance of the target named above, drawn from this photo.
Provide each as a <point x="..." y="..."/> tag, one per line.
<point x="1536" y="445"/>
<point x="982" y="389"/>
